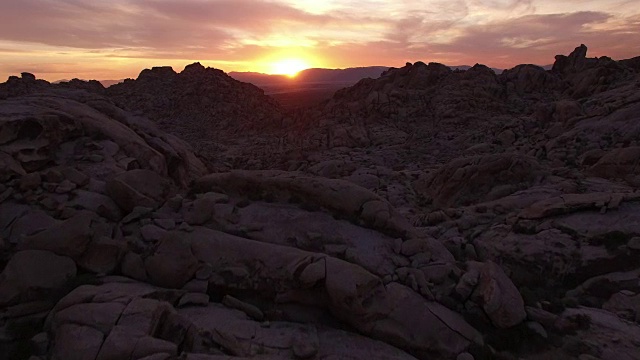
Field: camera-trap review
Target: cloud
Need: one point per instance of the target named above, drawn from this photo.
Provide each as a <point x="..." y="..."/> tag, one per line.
<point x="534" y="38"/>
<point x="241" y="34"/>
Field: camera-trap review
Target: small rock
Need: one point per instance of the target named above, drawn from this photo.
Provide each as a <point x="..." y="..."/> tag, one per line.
<point x="129" y="163"/>
<point x="175" y="203"/>
<point x="196" y="299"/>
<point x="53" y="176"/>
<point x="139" y="187"/>
<point x="6" y="194"/>
<point x="616" y="199"/>
<point x="465" y="356"/>
<point x="634" y="244"/>
<point x="397" y="245"/>
<point x="251" y="310"/>
<point x="172" y="264"/>
<point x="185" y="227"/>
<point x="152" y="233"/>
<point x="39" y="344"/>
<point x="204" y="272"/>
<point x="133" y="267"/>
<point x="138" y="212"/>
<point x="537" y="329"/>
<point x="507" y="137"/>
<point x="102" y="256"/>
<point x="314" y="236"/>
<point x="167" y="224"/>
<point x="30" y="181"/>
<point x="75" y="176"/>
<point x="499" y="297"/>
<point x="587" y="357"/>
<point x="202" y="208"/>
<point x="96" y="158"/>
<point x="413" y="247"/>
<point x="197" y="286"/>
<point x="65" y="187"/>
<point x="305" y="345"/>
<point x="467" y="283"/>
<point x="49" y="203"/>
<point x="470" y="252"/>
<point x="541" y="316"/>
<point x="419" y="260"/>
<point x="50" y="187"/>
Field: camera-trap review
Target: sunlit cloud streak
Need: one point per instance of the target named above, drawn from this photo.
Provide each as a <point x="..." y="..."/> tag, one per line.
<point x="117" y="38"/>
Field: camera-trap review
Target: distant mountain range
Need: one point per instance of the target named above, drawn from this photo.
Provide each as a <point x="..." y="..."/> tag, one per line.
<point x="346" y="76"/>
<point x="105" y="83"/>
<point x="315" y="75"/>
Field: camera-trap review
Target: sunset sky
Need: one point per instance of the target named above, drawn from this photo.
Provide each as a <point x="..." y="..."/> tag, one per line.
<point x="114" y="39"/>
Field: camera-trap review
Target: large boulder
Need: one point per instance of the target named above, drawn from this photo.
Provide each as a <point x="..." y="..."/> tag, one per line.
<point x="29" y="273"/>
<point x="138" y="188"/>
<point x="69" y="238"/>
<point x="122" y="319"/>
<point x="173" y="263"/>
<point x="31" y="223"/>
<point x="618" y="163"/>
<point x="35" y="125"/>
<point x="198" y="104"/>
<point x="498" y="296"/>
<point x="98" y="203"/>
<point x="116" y="320"/>
<point x="394" y="314"/>
<point x="74" y="342"/>
<point x="527" y="78"/>
<point x="465" y="181"/>
<point x="338" y="196"/>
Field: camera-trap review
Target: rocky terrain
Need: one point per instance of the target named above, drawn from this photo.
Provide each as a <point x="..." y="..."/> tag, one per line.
<point x="425" y="214"/>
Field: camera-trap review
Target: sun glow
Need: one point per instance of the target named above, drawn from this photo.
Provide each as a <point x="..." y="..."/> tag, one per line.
<point x="289" y="67"/>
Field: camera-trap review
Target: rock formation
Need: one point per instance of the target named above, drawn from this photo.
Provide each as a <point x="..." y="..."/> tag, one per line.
<point x="203" y="106"/>
<point x="426" y="214"/>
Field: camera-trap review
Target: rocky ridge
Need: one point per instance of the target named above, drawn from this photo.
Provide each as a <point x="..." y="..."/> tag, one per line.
<point x="202" y="105"/>
<point x="430" y="214"/>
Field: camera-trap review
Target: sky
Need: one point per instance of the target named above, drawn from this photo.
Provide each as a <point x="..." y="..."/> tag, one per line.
<point x="115" y="39"/>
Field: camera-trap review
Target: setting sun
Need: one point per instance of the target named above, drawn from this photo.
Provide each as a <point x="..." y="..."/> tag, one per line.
<point x="289" y="67"/>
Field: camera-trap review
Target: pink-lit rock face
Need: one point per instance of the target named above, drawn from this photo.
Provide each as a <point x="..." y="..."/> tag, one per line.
<point x="429" y="213"/>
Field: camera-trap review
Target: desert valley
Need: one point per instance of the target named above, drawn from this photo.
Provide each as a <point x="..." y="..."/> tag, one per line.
<point x="423" y="213"/>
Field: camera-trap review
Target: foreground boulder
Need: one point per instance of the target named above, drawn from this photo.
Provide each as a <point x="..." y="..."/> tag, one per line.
<point x="137" y="188"/>
<point x="354" y="295"/>
<point x="173" y="263"/>
<point x="31" y="273"/>
<point x="476" y="179"/>
<point x="124" y="319"/>
<point x="69" y="238"/>
<point x="35" y="126"/>
<point x="343" y="198"/>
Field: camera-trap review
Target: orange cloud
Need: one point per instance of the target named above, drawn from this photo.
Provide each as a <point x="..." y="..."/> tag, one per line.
<point x="117" y="38"/>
